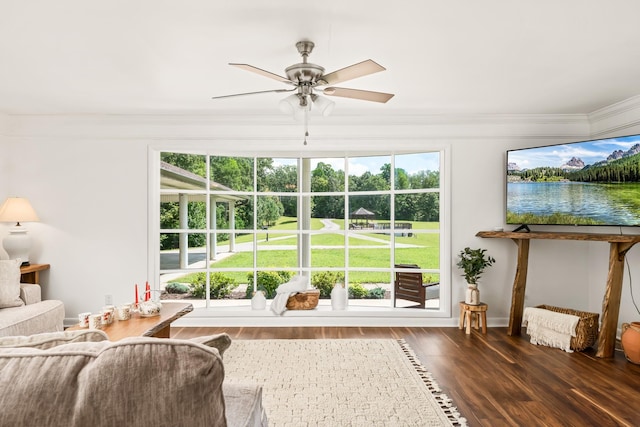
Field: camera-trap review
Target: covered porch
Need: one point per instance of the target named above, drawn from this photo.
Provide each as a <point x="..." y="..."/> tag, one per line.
<point x="181" y="186"/>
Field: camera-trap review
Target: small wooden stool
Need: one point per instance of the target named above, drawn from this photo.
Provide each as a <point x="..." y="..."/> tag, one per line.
<point x="473" y="315"/>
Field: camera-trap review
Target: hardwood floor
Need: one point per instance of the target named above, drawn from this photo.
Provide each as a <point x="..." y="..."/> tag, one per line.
<point x="498" y="380"/>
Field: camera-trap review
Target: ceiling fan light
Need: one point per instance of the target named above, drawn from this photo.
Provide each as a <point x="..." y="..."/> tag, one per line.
<point x="301" y="112"/>
<point x="290" y="104"/>
<point x="324" y="105"/>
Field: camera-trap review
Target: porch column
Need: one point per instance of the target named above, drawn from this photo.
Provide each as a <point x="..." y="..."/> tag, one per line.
<point x="232" y="226"/>
<point x="183" y="242"/>
<point x="213" y="225"/>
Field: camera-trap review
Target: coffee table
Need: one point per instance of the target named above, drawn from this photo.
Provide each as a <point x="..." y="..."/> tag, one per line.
<point x="156" y="326"/>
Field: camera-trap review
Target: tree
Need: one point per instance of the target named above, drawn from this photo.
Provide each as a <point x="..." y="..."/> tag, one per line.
<point x="368" y="182"/>
<point x="233" y="172"/>
<point x="263" y="170"/>
<point x="402" y="179"/>
<point x="269" y="210"/>
<point x="325" y="179"/>
<point x="283" y="179"/>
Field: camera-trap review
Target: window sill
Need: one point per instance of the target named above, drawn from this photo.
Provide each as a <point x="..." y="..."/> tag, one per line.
<point x="323" y="315"/>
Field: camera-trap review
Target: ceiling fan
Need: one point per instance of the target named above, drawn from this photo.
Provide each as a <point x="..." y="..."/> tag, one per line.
<point x="306" y="78"/>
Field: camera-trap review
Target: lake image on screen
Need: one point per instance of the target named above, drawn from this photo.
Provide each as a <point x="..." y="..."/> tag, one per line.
<point x="585" y="183"/>
<point x="585" y="203"/>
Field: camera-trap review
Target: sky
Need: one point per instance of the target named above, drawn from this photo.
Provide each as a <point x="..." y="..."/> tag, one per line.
<point x="411" y="163"/>
<point x="556" y="155"/>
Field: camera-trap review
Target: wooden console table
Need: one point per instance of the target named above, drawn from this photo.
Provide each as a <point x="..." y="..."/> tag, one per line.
<point x="619" y="245"/>
<point x="31" y="273"/>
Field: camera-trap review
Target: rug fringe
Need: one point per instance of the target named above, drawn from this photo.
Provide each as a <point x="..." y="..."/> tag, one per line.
<point x="442" y="399"/>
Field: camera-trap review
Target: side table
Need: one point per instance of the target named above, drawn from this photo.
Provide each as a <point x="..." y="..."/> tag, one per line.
<point x="31" y="273"/>
<point x="473" y="315"/>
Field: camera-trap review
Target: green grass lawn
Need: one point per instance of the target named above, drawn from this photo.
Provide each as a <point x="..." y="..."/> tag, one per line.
<point x="424" y="251"/>
<point x="334" y="258"/>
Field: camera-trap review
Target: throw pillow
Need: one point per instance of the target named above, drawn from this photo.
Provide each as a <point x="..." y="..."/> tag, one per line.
<point x="220" y="342"/>
<point x="10" y="283"/>
<point x="53" y="339"/>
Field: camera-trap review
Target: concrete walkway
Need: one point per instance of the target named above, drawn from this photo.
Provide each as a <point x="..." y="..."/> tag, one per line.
<point x="169" y="260"/>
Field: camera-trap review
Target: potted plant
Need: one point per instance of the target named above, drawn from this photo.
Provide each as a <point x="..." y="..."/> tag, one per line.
<point x="473" y="262"/>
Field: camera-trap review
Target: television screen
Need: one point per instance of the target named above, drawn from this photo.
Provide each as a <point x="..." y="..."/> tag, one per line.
<point x="581" y="183"/>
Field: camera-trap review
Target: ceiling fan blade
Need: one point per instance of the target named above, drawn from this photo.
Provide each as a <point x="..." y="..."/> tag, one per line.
<point x="262" y="72"/>
<point x="360" y="69"/>
<point x="253" y="93"/>
<point x="365" y="95"/>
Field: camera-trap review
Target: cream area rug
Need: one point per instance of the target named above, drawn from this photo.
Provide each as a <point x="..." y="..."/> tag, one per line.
<point x="341" y="382"/>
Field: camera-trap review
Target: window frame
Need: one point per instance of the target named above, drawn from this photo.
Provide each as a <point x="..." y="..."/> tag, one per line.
<point x="444" y="269"/>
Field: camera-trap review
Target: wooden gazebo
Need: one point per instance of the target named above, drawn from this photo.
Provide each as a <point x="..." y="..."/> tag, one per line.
<point x="361" y="214"/>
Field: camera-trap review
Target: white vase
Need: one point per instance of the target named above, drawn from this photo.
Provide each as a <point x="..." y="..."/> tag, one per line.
<point x="339" y="297"/>
<point x="472" y="296"/>
<point x="258" y="302"/>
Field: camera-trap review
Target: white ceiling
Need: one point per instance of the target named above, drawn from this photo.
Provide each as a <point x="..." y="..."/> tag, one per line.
<point x="442" y="57"/>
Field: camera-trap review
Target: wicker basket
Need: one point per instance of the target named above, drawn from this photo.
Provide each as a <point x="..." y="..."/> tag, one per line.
<point x="307" y="300"/>
<point x="586" y="330"/>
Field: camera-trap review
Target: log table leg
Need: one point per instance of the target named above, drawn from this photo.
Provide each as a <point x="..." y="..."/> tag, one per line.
<point x="519" y="287"/>
<point x="611" y="300"/>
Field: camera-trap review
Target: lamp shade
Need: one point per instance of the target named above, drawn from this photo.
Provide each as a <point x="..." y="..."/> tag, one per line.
<point x="324" y="105"/>
<point x="17" y="243"/>
<point x="290" y="104"/>
<point x="17" y="209"/>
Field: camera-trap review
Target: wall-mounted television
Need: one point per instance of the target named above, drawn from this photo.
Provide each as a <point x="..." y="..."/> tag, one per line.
<point x="593" y="182"/>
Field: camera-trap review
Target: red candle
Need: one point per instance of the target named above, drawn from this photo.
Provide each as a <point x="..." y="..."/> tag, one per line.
<point x="136" y="293"/>
<point x="147" y="292"/>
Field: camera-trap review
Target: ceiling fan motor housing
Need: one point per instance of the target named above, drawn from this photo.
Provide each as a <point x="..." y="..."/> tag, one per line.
<point x="304" y="73"/>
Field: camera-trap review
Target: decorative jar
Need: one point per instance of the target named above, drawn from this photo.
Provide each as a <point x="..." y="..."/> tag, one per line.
<point x="259" y="301"/>
<point x="630" y="340"/>
<point x="339" y="297"/>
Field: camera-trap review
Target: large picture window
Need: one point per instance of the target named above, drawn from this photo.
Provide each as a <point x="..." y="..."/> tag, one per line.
<point x="229" y="226"/>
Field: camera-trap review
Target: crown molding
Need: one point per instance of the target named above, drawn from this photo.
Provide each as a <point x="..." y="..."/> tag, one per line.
<point x="278" y="127"/>
<point x="615" y="109"/>
<point x="616" y="119"/>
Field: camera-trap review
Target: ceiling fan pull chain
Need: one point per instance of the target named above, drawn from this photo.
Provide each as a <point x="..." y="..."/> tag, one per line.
<point x="306" y="125"/>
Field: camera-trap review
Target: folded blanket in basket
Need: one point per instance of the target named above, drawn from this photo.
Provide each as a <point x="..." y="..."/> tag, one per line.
<point x="285" y="290"/>
<point x="550" y="328"/>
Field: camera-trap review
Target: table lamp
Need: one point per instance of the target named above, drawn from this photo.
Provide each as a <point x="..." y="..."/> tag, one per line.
<point x="17" y="243"/>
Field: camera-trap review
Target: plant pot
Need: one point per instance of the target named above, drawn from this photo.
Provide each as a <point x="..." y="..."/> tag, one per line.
<point x="630" y="340"/>
<point x="472" y="297"/>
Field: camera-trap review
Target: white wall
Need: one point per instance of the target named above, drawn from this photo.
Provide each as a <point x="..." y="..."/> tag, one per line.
<point x="4" y="159"/>
<point x="87" y="179"/>
<point x="619" y="119"/>
<point x="91" y="197"/>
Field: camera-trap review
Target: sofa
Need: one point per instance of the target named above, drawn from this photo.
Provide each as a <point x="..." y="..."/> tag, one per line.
<point x="22" y="311"/>
<point x="79" y="378"/>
